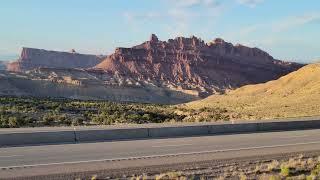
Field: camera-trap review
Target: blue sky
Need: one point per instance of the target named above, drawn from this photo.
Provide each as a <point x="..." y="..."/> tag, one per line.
<point x="287" y="29"/>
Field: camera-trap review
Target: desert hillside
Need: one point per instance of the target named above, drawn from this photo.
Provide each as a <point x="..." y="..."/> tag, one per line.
<point x="84" y="85"/>
<point x="294" y="95"/>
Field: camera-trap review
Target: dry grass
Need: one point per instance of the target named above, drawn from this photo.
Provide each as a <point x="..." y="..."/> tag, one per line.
<point x="170" y="175"/>
<point x="294" y="95"/>
<point x="296" y="168"/>
<point x="274" y="165"/>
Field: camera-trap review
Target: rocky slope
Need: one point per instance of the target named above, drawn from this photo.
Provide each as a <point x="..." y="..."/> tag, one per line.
<point x="85" y="85"/>
<point x="190" y="63"/>
<point x="294" y="95"/>
<point x="32" y="58"/>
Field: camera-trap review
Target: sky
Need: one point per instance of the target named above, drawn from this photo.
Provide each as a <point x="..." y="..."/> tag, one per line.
<point x="287" y="29"/>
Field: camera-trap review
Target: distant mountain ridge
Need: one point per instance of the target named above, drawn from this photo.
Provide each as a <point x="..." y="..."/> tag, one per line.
<point x="32" y="58"/>
<point x="173" y="71"/>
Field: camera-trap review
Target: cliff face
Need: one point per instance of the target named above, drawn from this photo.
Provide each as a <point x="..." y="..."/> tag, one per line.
<point x="31" y="58"/>
<point x="190" y="63"/>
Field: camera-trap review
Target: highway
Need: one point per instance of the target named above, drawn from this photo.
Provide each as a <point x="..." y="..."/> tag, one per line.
<point x="14" y="158"/>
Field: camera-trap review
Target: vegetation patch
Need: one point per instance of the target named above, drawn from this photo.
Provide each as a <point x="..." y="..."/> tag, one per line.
<point x="296" y="168"/>
<point x="34" y="112"/>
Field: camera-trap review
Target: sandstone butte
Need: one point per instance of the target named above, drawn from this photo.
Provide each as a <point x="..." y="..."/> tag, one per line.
<point x="190" y="63"/>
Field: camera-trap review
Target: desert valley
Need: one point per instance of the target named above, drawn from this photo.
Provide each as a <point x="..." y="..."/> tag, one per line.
<point x="181" y="80"/>
<point x="160" y="90"/>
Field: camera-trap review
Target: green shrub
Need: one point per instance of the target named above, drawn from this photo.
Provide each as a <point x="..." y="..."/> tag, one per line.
<point x="273" y="177"/>
<point x="316" y="171"/>
<point x="49" y="112"/>
<point x="285" y="171"/>
<point x="16" y="121"/>
<point x="48" y="119"/>
<point x="13" y="122"/>
<point x="63" y="120"/>
<point x="134" y="118"/>
<point x="78" y="121"/>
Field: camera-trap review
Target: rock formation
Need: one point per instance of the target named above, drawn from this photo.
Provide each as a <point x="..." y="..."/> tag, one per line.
<point x="190" y="63"/>
<point x="174" y="71"/>
<point x="31" y="58"/>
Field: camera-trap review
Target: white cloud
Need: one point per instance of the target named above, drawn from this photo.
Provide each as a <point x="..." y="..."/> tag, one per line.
<point x="247" y="30"/>
<point x="272" y="36"/>
<point x="190" y="3"/>
<point x="282" y="25"/>
<point x="210" y="8"/>
<point x="296" y="21"/>
<point x="179" y="16"/>
<point x="250" y="3"/>
<point x="129" y="16"/>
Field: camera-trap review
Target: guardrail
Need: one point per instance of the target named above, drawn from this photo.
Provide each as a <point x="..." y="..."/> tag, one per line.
<point x="38" y="136"/>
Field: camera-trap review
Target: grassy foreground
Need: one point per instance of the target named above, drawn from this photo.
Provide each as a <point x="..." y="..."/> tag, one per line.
<point x="34" y="112"/>
<point x="299" y="167"/>
<point x="294" y="95"/>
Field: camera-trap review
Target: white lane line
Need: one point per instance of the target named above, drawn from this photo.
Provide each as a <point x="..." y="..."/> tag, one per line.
<point x="158" y="156"/>
<point x="10" y="156"/>
<point x="298" y="136"/>
<point x="172" y="145"/>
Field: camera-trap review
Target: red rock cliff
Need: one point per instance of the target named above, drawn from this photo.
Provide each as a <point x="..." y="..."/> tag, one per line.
<point x="193" y="64"/>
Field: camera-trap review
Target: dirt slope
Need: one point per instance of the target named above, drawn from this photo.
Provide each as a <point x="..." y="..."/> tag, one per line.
<point x="294" y="95"/>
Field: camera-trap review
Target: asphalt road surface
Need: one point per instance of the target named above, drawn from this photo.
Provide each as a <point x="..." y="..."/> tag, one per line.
<point x="22" y="159"/>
